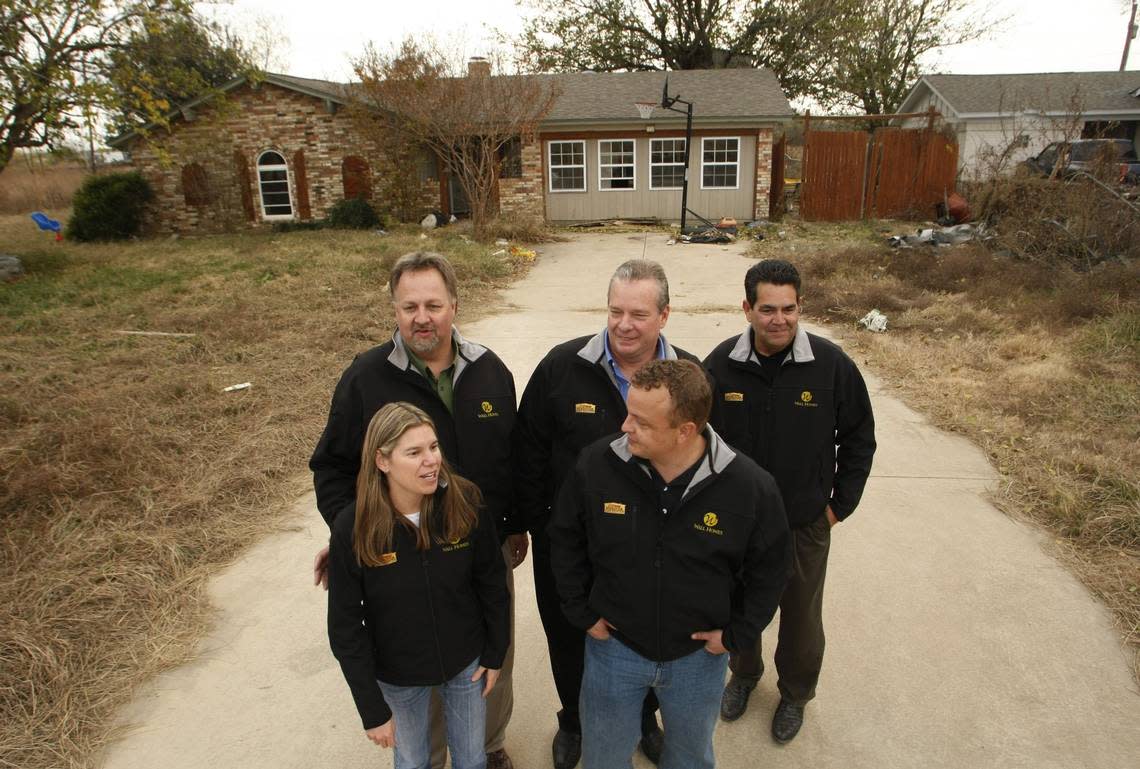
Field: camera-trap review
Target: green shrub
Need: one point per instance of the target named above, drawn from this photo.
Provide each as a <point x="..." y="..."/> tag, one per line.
<point x="109" y="207"/>
<point x="299" y="225"/>
<point x="353" y="214"/>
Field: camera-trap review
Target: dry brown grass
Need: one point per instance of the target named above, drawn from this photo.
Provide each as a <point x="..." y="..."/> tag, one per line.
<point x="1038" y="364"/>
<point x="127" y="476"/>
<point x="33" y="183"/>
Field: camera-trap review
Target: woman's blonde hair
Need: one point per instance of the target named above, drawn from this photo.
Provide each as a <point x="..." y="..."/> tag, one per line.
<point x="376" y="518"/>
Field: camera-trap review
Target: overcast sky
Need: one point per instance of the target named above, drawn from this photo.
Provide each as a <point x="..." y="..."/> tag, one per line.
<point x="320" y="37"/>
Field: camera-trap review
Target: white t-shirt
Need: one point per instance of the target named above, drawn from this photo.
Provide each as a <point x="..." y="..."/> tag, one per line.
<point x="414" y="519"/>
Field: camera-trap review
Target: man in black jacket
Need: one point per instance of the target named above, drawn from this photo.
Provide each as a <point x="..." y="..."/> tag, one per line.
<point x="575" y="396"/>
<point x="796" y="404"/>
<point x="668" y="549"/>
<point x="469" y="394"/>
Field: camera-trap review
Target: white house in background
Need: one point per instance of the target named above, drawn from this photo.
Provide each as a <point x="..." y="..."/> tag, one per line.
<point x="1001" y="120"/>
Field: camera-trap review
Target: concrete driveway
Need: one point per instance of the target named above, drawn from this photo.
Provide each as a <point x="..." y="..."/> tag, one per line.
<point x="953" y="639"/>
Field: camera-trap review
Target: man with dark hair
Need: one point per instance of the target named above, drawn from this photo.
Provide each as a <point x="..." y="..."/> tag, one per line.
<point x="796" y="404"/>
<point x="575" y="396"/>
<point x="470" y="395"/>
<point x="668" y="549"/>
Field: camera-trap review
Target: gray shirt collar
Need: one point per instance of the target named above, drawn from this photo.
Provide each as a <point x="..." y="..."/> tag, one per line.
<point x="468" y="352"/>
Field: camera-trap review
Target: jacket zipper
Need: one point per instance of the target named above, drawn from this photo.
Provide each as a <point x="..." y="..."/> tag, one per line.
<point x="431" y="611"/>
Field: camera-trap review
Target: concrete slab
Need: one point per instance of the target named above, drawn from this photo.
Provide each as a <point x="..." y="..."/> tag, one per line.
<point x="955" y="641"/>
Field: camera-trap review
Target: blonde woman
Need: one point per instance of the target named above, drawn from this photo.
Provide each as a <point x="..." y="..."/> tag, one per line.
<point x="417" y="594"/>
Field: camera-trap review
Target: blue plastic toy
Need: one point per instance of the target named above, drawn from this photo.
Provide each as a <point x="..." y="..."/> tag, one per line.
<point x="47" y="224"/>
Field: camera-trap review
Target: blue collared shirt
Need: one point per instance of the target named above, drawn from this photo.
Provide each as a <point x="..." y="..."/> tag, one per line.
<point x="622" y="381"/>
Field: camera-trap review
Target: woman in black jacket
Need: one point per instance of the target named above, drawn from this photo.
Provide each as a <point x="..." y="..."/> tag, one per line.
<point x="417" y="594"/>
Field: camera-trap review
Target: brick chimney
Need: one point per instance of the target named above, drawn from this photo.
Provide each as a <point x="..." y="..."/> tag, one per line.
<point x="478" y="66"/>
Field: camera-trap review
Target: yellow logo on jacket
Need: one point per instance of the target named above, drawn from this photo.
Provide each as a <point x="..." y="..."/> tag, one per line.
<point x="708" y="525"/>
<point x="488" y="410"/>
<point x="613" y="508"/>
<point x="806" y="400"/>
<point x="387" y="559"/>
<point x="585" y="408"/>
<point x="734" y="397"/>
<point x="456" y="544"/>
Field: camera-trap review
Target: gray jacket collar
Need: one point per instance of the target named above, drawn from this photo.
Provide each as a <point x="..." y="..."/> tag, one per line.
<point x="469" y="352"/>
<point x="594" y="351"/>
<point x="717" y="457"/>
<point x="800" y="352"/>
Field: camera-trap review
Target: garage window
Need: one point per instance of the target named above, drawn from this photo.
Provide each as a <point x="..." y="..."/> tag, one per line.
<point x="720" y="163"/>
<point x="616" y="161"/>
<point x="568" y="166"/>
<point x="666" y="164"/>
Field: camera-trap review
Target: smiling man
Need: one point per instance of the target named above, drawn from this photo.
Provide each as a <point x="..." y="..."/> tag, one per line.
<point x="798" y="406"/>
<point x="669" y="549"/>
<point x="470" y="395"/>
<point x="575" y="396"/>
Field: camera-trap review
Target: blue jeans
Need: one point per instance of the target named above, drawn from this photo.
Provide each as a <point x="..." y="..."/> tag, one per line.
<point x="614" y="684"/>
<point x="464" y="711"/>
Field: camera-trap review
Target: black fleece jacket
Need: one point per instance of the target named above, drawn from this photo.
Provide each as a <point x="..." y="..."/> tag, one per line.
<point x="475" y="439"/>
<point x="420" y="619"/>
<point x="720" y="561"/>
<point x="811" y="426"/>
<point x="570" y="401"/>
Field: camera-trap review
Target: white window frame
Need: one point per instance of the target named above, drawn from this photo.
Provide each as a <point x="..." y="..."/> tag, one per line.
<point x="736" y="164"/>
<point x="632" y="165"/>
<point x="550" y="165"/>
<point x="653" y="165"/>
<point x="288" y="187"/>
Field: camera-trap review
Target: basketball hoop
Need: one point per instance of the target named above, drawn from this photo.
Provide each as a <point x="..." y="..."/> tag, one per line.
<point x="645" y="108"/>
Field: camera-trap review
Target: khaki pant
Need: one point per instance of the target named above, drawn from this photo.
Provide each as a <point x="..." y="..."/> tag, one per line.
<point x="500" y="702"/>
<point x="799" y="648"/>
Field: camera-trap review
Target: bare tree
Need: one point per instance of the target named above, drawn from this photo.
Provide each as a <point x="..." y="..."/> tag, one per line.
<point x="466" y="119"/>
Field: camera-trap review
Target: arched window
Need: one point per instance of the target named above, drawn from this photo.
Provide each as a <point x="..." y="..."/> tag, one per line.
<point x="357" y="178"/>
<point x="273" y="183"/>
<point x="195" y="185"/>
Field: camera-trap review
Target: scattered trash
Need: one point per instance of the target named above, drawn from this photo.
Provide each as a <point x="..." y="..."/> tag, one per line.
<point x="11" y="268"/>
<point x="175" y="334"/>
<point x="436" y="219"/>
<point x="726" y="222"/>
<point x="647" y="220"/>
<point x="423" y="236"/>
<point x="465" y="238"/>
<point x="671" y="242"/>
<point x="234" y="388"/>
<point x="709" y="235"/>
<point x="955" y="210"/>
<point x="47" y="224"/>
<point x="523" y="253"/>
<point x="380" y="231"/>
<point x="502" y="242"/>
<point x="874" y="321"/>
<point x="942" y="236"/>
<point x="500" y="252"/>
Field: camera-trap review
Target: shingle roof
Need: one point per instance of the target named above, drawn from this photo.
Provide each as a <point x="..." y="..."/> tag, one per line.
<point x="715" y="93"/>
<point x="1048" y="91"/>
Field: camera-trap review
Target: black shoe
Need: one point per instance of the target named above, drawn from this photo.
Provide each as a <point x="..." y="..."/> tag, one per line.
<point x="567" y="749"/>
<point x="787" y="721"/>
<point x="734" y="701"/>
<point x="652" y="743"/>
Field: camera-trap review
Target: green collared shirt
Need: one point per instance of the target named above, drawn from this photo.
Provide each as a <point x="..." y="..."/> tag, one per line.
<point x="444" y="384"/>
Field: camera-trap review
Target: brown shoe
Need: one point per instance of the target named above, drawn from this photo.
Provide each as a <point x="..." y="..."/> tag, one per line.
<point x="499" y="760"/>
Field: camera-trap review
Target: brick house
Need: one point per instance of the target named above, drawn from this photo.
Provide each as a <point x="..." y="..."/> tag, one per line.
<point x="284" y="148"/>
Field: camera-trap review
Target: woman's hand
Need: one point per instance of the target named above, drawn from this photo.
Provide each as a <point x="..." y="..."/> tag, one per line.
<point x="492" y="676"/>
<point x="383" y="735"/>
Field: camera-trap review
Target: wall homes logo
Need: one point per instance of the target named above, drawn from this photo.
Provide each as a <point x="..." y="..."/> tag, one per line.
<point x="708" y="526"/>
<point x="488" y="410"/>
<point x="806" y="399"/>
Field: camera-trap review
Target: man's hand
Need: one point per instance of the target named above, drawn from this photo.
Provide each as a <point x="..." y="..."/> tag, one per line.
<point x="600" y="630"/>
<point x="831" y="519"/>
<point x="383" y="735"/>
<point x="517" y="544"/>
<point x="321" y="576"/>
<point x="492" y="677"/>
<point x="712" y="641"/>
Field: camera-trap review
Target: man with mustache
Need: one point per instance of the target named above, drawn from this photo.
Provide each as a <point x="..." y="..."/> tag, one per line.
<point x="469" y="394"/>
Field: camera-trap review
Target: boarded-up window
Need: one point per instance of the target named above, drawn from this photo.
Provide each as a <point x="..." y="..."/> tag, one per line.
<point x="195" y="185"/>
<point x="241" y="168"/>
<point x="357" y="178"/>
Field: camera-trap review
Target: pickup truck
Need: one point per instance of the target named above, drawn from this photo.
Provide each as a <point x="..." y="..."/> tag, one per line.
<point x="1085" y="155"/>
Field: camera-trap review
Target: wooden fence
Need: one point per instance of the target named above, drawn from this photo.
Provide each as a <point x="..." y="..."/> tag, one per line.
<point x="892" y="173"/>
